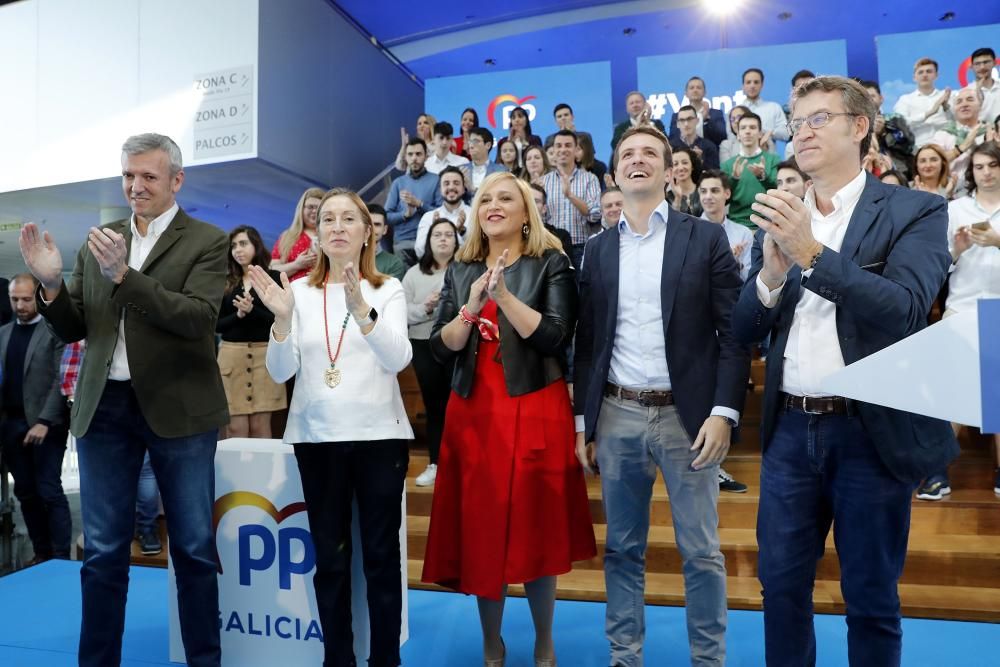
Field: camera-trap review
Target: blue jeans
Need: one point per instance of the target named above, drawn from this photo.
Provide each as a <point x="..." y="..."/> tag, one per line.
<point x="147" y="504"/>
<point x="632" y="442"/>
<point x="819" y="469"/>
<point x="111" y="456"/>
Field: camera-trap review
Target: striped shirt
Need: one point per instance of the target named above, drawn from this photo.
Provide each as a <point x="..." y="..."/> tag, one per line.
<point x="562" y="213"/>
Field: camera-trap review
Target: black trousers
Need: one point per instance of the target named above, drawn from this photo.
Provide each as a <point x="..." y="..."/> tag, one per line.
<point x="333" y="474"/>
<point x="435" y="388"/>
<point x="37" y="472"/>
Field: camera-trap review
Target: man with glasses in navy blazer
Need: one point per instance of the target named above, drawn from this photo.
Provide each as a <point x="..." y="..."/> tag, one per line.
<point x="849" y="271"/>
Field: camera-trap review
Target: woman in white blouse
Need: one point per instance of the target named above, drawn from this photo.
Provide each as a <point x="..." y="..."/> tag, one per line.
<point x="343" y="334"/>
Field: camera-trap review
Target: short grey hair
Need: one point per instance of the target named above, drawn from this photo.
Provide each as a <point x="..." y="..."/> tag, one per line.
<point x="852" y="94"/>
<point x="150" y="141"/>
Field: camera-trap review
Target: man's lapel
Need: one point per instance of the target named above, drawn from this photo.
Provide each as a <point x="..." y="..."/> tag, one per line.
<point x="864" y="215"/>
<point x="170" y="236"/>
<point x="675" y="245"/>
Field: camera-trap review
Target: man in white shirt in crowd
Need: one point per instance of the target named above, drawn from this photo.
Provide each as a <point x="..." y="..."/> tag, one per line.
<point x="792" y="179"/>
<point x="714" y="185"/>
<point x="573" y="195"/>
<point x="974" y="241"/>
<point x="452" y="185"/>
<point x="478" y="146"/>
<point x="772" y="119"/>
<point x="835" y="278"/>
<point x="441" y="155"/>
<point x="984" y="61"/>
<point x="927" y="109"/>
<point x="961" y="135"/>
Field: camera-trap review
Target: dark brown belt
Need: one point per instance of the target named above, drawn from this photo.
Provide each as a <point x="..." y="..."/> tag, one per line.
<point x="816" y="405"/>
<point x="646" y="398"/>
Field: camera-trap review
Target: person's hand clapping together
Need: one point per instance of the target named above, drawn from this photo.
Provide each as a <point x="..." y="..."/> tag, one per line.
<point x="277" y="298"/>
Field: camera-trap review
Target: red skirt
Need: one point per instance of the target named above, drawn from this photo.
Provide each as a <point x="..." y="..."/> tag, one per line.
<point x="510" y="500"/>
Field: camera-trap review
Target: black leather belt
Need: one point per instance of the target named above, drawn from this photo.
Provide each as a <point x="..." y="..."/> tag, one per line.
<point x="646" y="398"/>
<point x="816" y="405"/>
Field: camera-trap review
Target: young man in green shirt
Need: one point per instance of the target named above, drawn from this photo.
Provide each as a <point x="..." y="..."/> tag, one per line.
<point x="752" y="171"/>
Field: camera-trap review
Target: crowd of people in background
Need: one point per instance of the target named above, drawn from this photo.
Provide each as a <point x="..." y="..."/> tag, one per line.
<point x="470" y="269"/>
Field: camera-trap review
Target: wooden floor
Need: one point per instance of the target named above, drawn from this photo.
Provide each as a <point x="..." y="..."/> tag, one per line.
<point x="952" y="569"/>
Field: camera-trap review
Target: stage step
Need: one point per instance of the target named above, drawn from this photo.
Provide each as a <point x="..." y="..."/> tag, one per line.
<point x="918" y="601"/>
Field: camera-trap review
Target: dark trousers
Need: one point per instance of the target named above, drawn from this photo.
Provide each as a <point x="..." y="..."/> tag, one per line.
<point x="332" y="475"/>
<point x="819" y="469"/>
<point x="111" y="455"/>
<point x="435" y="388"/>
<point x="37" y="472"/>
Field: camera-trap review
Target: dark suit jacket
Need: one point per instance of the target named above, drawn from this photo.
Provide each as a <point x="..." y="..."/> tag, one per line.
<point x="170" y="307"/>
<point x="42" y="381"/>
<point x="713" y="127"/>
<point x="891" y="266"/>
<point x="6" y="312"/>
<point x="699" y="284"/>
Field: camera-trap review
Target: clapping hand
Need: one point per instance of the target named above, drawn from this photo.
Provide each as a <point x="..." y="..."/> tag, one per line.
<point x="460" y="223"/>
<point x="278" y="298"/>
<point x="788" y="224"/>
<point x="111" y="252"/>
<point x="356" y="304"/>
<point x="478" y="294"/>
<point x="244" y="304"/>
<point x="757" y="169"/>
<point x="42" y="257"/>
<point x="496" y="287"/>
<point x="431" y="302"/>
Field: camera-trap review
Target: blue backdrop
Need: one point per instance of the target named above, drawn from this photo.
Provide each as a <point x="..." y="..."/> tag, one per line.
<point x="585" y="87"/>
<point x="952" y="49"/>
<point x="989" y="363"/>
<point x="662" y="78"/>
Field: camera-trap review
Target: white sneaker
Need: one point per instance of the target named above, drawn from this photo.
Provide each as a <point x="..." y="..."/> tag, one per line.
<point x="427" y="477"/>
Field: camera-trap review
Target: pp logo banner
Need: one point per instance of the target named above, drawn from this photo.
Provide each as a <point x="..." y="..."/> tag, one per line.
<point x="259" y="547"/>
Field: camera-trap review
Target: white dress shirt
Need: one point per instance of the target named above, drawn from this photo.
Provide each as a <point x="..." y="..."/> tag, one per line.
<point x="913" y="107"/>
<point x="138" y="252"/>
<point x="427" y="219"/>
<point x="436" y="165"/>
<point x="477" y="173"/>
<point x="639" y="352"/>
<point x="772" y="117"/>
<point x="736" y="234"/>
<point x="367" y="404"/>
<point x="813" y="349"/>
<point x="991" y="103"/>
<point x="976" y="274"/>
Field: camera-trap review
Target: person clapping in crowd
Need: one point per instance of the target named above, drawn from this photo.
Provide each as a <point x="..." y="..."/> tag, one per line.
<point x="244" y="324"/>
<point x="536" y="165"/>
<point x="295" y="251"/>
<point x="682" y="187"/>
<point x="932" y="173"/>
<point x="422" y="286"/>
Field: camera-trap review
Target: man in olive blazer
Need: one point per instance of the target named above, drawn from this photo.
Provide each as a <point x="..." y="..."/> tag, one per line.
<point x="145" y="293"/>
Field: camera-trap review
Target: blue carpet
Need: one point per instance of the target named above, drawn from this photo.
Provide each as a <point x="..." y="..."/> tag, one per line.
<point x="40" y="624"/>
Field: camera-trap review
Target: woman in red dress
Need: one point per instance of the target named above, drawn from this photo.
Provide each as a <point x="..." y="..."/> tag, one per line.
<point x="510" y="502"/>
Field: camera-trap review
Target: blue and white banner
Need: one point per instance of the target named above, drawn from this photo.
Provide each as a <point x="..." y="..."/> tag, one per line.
<point x="585" y="87"/>
<point x="989" y="363"/>
<point x="663" y="78"/>
<point x="952" y="49"/>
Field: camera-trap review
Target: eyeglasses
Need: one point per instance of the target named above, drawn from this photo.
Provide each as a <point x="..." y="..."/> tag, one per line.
<point x="815" y="121"/>
<point x="689" y="119"/>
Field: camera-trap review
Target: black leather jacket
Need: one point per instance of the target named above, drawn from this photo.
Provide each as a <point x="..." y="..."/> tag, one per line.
<point x="545" y="283"/>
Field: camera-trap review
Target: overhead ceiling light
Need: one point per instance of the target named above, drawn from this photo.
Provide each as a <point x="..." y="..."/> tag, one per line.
<point x="947" y="16"/>
<point x="784" y="16"/>
<point x="721" y="7"/>
<point x="490" y="62"/>
<point x="628" y="32"/>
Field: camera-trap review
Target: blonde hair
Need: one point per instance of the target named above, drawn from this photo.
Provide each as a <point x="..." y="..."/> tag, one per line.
<point x="431" y="122"/>
<point x="477" y="246"/>
<point x="366" y="265"/>
<point x="294" y="231"/>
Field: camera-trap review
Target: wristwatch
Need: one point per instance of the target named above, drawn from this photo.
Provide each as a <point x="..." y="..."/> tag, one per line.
<point x="370" y="318"/>
<point x="729" y="420"/>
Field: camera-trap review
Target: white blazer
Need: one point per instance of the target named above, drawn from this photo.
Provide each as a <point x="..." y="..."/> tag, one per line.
<point x="367" y="404"/>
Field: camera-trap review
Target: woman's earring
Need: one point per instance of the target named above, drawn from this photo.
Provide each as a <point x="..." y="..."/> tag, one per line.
<point x="525" y="229"/>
